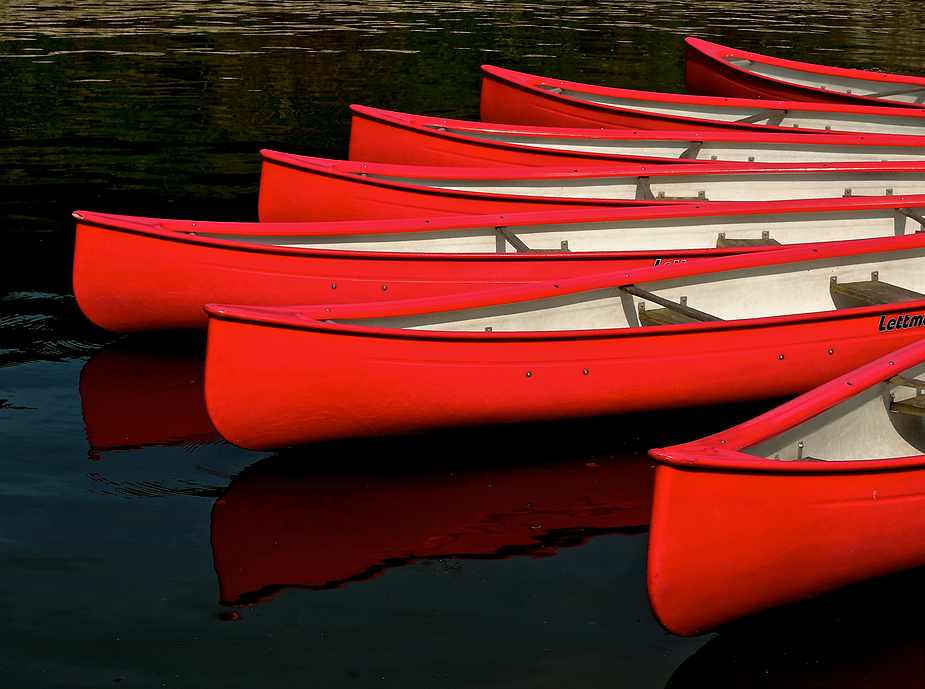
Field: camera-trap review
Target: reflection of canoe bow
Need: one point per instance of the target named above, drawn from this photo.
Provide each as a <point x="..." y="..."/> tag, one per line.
<point x="384" y="136"/>
<point x="723" y="330"/>
<point x="134" y="274"/>
<point x="824" y="491"/>
<point x="518" y="98"/>
<point x="134" y="396"/>
<point x="280" y="527"/>
<point x="715" y="70"/>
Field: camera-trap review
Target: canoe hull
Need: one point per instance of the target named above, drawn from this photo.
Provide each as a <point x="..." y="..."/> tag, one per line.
<point x="726" y="544"/>
<point x="300" y="188"/>
<point x="379" y="139"/>
<point x="383" y="136"/>
<point x="270" y="385"/>
<point x="707" y="73"/>
<point x="141" y="274"/>
<point x="292" y="186"/>
<point x="517" y="98"/>
<point x="509" y="102"/>
<point x="134" y="281"/>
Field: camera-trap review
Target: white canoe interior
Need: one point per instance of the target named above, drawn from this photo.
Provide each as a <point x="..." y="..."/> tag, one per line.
<point x="732" y="151"/>
<point x="699" y="185"/>
<point x="676" y="233"/>
<point x="888" y="91"/>
<point x="797" y="119"/>
<point x="881" y="422"/>
<point x="803" y="287"/>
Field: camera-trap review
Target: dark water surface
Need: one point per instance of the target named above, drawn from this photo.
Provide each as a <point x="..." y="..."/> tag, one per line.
<point x="137" y="549"/>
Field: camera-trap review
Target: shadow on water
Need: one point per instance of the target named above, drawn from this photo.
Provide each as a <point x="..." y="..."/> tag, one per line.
<point x="864" y="636"/>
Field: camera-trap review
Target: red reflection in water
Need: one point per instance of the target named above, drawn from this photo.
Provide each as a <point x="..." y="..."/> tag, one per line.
<point x="142" y="394"/>
<point x="277" y="528"/>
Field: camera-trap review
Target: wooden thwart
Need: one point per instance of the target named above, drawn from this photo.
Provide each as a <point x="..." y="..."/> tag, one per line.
<point x="691" y="151"/>
<point x="521" y="246"/>
<point x="673" y="312"/>
<point x="773" y="117"/>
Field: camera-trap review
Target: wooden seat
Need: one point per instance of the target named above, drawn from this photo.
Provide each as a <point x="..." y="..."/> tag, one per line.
<point x="873" y="292"/>
<point x="663" y="317"/>
<point x="913" y="405"/>
<point x="722" y="241"/>
<point x="731" y="242"/>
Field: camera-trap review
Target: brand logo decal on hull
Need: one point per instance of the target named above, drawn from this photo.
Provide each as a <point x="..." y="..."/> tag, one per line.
<point x="900" y="322"/>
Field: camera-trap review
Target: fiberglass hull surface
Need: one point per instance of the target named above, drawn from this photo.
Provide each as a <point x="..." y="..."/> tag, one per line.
<point x="733" y="533"/>
<point x="142" y="274"/>
<point x="282" y="377"/>
<point x="269" y="387"/>
<point x="130" y="276"/>
<point x="517" y="98"/>
<point x="300" y="188"/>
<point x="716" y="70"/>
<point x="383" y="136"/>
<point x="294" y="188"/>
<point x="740" y="543"/>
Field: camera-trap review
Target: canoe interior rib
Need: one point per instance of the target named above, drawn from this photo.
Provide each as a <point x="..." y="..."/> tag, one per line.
<point x="883" y="422"/>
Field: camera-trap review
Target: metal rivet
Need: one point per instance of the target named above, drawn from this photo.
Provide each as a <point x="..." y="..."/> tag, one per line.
<point x="781" y="357"/>
<point x="529" y="374"/>
<point x="585" y="371"/>
<point x="384" y="288"/>
<point x="831" y="351"/>
<point x="333" y="286"/>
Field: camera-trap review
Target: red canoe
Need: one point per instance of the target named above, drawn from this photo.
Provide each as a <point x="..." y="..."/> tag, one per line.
<point x="738" y="328"/>
<point x="824" y="491"/>
<point x="132" y="274"/>
<point x="278" y="527"/>
<point x="518" y="98"/>
<point x="296" y="188"/>
<point x="383" y="136"/>
<point x="300" y="188"/>
<point x="716" y="70"/>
